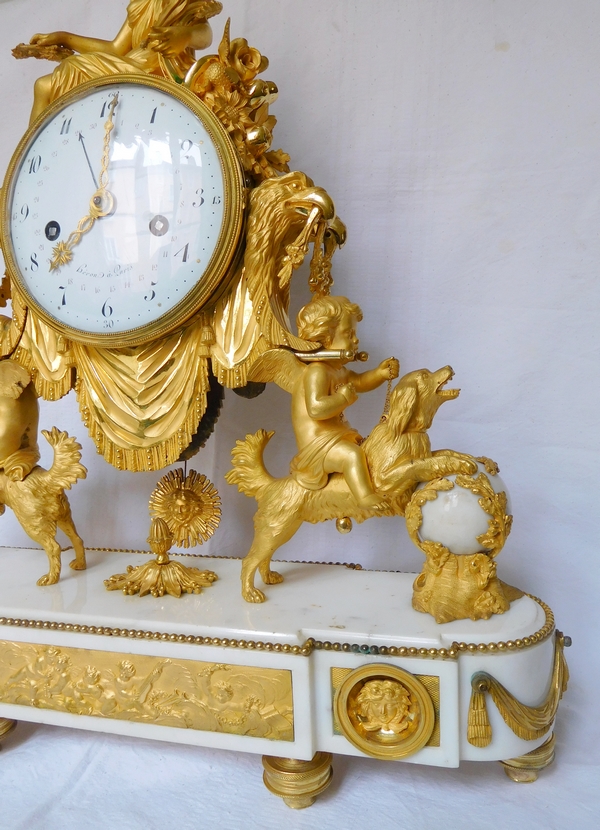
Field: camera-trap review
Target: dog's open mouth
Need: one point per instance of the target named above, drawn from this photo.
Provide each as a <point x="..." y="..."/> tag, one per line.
<point x="447" y="393"/>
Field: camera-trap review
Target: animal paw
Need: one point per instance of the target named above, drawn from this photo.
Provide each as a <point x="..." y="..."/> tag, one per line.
<point x="373" y="502"/>
<point x="253" y="595"/>
<point x="77" y="565"/>
<point x="464" y="464"/>
<point x="48" y="579"/>
<point x="271" y="578"/>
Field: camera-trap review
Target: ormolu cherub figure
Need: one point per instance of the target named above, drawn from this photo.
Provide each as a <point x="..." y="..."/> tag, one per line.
<point x="19" y="414"/>
<point x="154" y="30"/>
<point x="335" y="474"/>
<point x="323" y="390"/>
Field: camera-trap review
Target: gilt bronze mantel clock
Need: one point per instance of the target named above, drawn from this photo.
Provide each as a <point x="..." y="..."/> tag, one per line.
<point x="151" y="234"/>
<point x="162" y="193"/>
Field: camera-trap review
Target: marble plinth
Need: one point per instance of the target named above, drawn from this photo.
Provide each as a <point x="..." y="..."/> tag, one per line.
<point x="213" y="670"/>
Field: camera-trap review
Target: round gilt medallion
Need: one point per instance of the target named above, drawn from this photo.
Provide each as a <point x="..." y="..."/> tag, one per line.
<point x="190" y="505"/>
<point x="384" y="711"/>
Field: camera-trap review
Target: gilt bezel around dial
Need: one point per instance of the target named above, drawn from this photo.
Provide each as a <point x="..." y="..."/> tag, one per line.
<point x="120" y="222"/>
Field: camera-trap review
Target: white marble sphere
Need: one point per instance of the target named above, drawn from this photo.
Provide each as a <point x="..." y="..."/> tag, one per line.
<point x="455" y="518"/>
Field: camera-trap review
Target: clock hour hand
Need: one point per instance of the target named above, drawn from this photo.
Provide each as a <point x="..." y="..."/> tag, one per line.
<point x="101" y="203"/>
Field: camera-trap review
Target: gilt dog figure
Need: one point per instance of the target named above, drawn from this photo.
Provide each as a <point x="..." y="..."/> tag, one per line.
<point x="398" y="453"/>
<point x="40" y="504"/>
<point x="35" y="495"/>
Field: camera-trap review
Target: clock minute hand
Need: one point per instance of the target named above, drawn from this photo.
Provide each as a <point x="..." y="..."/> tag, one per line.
<point x="101" y="203"/>
<point x="82" y="141"/>
<point x="108" y="128"/>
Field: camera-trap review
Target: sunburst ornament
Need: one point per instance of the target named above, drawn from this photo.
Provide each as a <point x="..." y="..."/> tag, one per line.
<point x="190" y="505"/>
<point x="62" y="255"/>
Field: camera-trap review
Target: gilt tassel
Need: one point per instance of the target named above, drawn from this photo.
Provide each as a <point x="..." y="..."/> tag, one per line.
<point x="479" y="730"/>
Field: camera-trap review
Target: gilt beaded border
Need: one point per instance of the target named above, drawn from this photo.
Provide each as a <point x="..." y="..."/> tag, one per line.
<point x="306" y="649"/>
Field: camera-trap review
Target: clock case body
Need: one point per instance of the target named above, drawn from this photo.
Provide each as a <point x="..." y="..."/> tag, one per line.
<point x="221" y="265"/>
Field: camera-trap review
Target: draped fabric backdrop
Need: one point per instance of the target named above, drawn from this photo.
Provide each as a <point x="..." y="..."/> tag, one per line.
<point x="459" y="140"/>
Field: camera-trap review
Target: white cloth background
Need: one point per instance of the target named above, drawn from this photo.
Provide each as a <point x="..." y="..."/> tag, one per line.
<point x="459" y="139"/>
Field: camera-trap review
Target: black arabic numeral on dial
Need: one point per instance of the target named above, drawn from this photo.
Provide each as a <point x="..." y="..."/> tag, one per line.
<point x="34" y="164"/>
<point x="217" y="200"/>
<point x="186" y="146"/>
<point x="34" y="262"/>
<point x="64" y="296"/>
<point x="199" y="193"/>
<point x="107" y="309"/>
<point x="153" y="115"/>
<point x="24" y="212"/>
<point x="149" y="297"/>
<point x="66" y="126"/>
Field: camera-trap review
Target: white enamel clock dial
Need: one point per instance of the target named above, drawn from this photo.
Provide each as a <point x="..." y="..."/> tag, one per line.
<point x="174" y="189"/>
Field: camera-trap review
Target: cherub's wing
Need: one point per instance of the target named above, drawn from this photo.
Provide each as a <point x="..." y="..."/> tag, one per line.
<point x="278" y="366"/>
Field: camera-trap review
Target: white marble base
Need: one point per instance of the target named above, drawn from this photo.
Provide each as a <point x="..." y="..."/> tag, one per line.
<point x="331" y="604"/>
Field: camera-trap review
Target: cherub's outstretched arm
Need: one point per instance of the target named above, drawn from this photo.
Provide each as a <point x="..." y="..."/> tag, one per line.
<point x="42" y="89"/>
<point x="367" y="381"/>
<point x="78" y="43"/>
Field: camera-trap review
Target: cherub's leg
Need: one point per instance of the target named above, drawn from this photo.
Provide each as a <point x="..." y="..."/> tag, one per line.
<point x="41" y="96"/>
<point x="349" y="459"/>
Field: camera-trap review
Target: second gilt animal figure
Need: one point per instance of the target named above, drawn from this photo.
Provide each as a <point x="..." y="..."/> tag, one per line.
<point x="397" y="452"/>
<point x="36" y="495"/>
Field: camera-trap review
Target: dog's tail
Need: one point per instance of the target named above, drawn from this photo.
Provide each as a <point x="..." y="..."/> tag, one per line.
<point x="65" y="469"/>
<point x="249" y="472"/>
